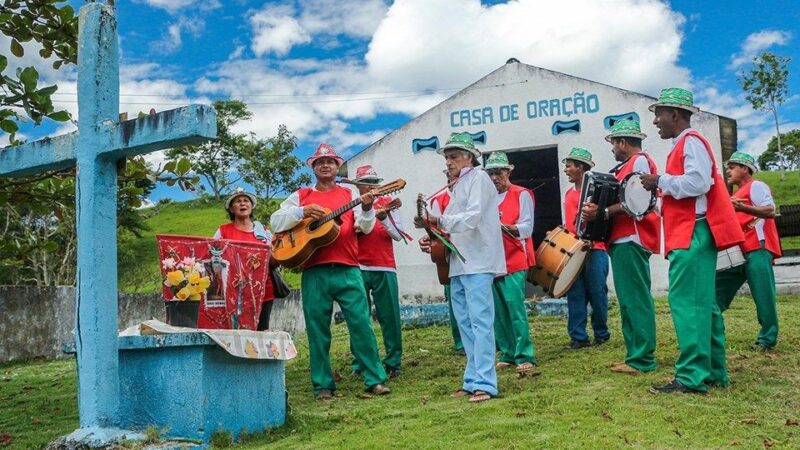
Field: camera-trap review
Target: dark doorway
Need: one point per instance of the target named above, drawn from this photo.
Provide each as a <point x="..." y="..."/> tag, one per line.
<point x="538" y="169"/>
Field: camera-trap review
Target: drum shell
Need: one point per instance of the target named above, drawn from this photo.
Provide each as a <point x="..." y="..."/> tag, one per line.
<point x="729" y="258"/>
<point x="559" y="261"/>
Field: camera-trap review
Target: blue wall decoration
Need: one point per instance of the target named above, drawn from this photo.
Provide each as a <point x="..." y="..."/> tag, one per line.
<point x="609" y="121"/>
<point x="566" y="126"/>
<point x="417" y="145"/>
<point x="479" y="137"/>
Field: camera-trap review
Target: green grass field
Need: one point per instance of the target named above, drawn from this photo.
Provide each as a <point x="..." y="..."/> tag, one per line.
<point x="571" y="401"/>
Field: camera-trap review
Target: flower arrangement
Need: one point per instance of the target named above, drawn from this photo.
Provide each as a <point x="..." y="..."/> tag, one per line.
<point x="185" y="278"/>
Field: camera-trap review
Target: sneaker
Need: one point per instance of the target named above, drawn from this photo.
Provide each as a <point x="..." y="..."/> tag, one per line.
<point x="759" y="347"/>
<point x="575" y="345"/>
<point x="392" y="372"/>
<point x="324" y="394"/>
<point x="379" y="389"/>
<point x="673" y="387"/>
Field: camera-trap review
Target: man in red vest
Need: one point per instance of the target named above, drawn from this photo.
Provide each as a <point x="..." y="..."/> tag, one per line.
<point x="590" y="288"/>
<point x="332" y="274"/>
<point x="516" y="204"/>
<point x="378" y="268"/>
<point x="630" y="245"/>
<point x="755" y="211"/>
<point x="698" y="221"/>
<point x="438" y="204"/>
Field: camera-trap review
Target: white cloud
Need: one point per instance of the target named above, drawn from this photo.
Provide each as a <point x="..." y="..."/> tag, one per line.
<point x="755" y="43"/>
<point x="631" y="44"/>
<point x="276" y="31"/>
<point x="172" y="41"/>
<point x="173" y="6"/>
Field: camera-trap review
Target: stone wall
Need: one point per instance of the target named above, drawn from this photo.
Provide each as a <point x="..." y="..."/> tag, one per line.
<point x="37" y="322"/>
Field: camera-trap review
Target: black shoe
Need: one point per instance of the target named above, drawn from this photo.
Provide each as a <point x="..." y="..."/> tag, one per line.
<point x="673" y="387"/>
<point x="598" y="341"/>
<point x="575" y="345"/>
<point x="759" y="347"/>
<point x="461" y="352"/>
<point x="392" y="372"/>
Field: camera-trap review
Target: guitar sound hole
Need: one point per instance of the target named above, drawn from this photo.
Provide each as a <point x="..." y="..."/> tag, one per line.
<point x="313" y="225"/>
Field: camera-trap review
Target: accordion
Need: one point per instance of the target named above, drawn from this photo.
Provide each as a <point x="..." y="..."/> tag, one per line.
<point x="601" y="189"/>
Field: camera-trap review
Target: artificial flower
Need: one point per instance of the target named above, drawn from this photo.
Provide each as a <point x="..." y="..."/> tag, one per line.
<point x="183" y="294"/>
<point x="168" y="263"/>
<point x="175" y="277"/>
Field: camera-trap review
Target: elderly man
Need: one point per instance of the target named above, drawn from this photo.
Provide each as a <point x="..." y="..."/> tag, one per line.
<point x="332" y="274"/>
<point x="473" y="224"/>
<point x="755" y="211"/>
<point x="516" y="205"/>
<point x="630" y="245"/>
<point x="698" y="220"/>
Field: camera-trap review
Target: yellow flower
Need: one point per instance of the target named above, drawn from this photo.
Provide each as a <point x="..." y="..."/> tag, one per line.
<point x="195" y="297"/>
<point x="194" y="278"/>
<point x="183" y="294"/>
<point x="204" y="283"/>
<point x="174" y="278"/>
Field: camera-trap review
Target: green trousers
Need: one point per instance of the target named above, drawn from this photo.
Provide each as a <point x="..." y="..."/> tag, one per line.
<point x="381" y="287"/>
<point x="321" y="286"/>
<point x="695" y="314"/>
<point x="511" y="331"/>
<point x="453" y="324"/>
<point x="631" y="266"/>
<point x="757" y="271"/>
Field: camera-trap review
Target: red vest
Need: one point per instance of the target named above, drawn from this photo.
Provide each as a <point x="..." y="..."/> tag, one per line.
<point x="772" y="241"/>
<point x="442" y="200"/>
<point x="376" y="249"/>
<point x="519" y="254"/>
<point x="344" y="250"/>
<point x="229" y="231"/>
<point x="571" y="200"/>
<point x="679" y="215"/>
<point x="649" y="228"/>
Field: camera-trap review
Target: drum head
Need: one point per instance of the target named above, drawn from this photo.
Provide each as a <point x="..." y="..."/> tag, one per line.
<point x="570" y="271"/>
<point x="634" y="198"/>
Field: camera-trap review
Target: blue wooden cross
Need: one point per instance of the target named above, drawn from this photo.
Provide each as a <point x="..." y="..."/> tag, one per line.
<point x="100" y="141"/>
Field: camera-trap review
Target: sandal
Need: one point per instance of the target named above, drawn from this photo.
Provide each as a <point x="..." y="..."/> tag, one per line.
<point x="524" y="367"/>
<point x="479" y="396"/>
<point x="502" y="365"/>
<point x="460" y="393"/>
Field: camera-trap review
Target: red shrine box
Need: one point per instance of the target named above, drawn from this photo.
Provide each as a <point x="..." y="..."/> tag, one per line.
<point x="238" y="273"/>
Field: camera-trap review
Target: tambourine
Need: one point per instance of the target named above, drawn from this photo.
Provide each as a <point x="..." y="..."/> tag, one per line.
<point x="634" y="199"/>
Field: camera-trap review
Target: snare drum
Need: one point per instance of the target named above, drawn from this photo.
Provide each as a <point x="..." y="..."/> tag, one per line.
<point x="559" y="261"/>
<point x="634" y="199"/>
<point x="730" y="257"/>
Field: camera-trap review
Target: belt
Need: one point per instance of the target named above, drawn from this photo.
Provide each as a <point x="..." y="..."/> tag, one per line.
<point x="699" y="216"/>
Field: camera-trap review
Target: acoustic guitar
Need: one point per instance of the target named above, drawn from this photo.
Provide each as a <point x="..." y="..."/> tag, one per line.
<point x="293" y="247"/>
<point x="440" y="254"/>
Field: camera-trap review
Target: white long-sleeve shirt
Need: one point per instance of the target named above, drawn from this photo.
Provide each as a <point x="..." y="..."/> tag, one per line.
<point x="760" y="195"/>
<point x="696" y="180"/>
<point x="473" y="223"/>
<point x="290" y="214"/>
<point x="525" y="221"/>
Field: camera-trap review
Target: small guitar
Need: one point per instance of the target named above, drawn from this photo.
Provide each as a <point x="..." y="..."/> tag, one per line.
<point x="440" y="254"/>
<point x="293" y="247"/>
<point x="391" y="206"/>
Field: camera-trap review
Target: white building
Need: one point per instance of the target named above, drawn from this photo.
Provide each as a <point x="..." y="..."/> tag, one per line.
<point x="536" y="116"/>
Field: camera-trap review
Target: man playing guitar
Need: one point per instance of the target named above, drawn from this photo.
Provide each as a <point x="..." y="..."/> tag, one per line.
<point x="332" y="274"/>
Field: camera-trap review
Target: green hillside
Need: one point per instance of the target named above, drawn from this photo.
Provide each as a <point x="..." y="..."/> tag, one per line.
<point x="138" y="257"/>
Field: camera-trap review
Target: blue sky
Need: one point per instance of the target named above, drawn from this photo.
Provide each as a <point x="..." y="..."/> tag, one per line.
<point x="349" y="71"/>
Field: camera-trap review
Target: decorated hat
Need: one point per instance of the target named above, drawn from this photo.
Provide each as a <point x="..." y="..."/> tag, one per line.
<point x="462" y="141"/>
<point x="324" y="151"/>
<point x="366" y="173"/>
<point x="625" y="128"/>
<point x="581" y="155"/>
<point x="676" y="98"/>
<point x="744" y="159"/>
<point x="497" y="160"/>
<point x="238" y="193"/>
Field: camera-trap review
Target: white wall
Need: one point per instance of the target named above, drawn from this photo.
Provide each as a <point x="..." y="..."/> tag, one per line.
<point x="513" y="84"/>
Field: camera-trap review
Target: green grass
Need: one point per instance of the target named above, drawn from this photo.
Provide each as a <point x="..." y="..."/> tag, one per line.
<point x="573" y="401"/>
<point x="784" y="192"/>
<point x="138" y="257"/>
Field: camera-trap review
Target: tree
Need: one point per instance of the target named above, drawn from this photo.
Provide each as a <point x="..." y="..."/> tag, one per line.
<point x="788" y="158"/>
<point x="269" y="165"/>
<point x="37" y="214"/>
<point x="216" y="160"/>
<point x="767" y="85"/>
